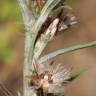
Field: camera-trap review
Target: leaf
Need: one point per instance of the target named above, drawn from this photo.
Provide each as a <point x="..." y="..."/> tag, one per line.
<point x="66" y="50"/>
<point x="45" y="38"/>
<point x="50" y="4"/>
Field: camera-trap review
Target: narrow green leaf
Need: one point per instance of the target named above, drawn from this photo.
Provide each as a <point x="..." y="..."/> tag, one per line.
<point x="66" y="50"/>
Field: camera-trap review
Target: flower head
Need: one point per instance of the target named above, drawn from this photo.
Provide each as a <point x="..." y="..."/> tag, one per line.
<point x="51" y="77"/>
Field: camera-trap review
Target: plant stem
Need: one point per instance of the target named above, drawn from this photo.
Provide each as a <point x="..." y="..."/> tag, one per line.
<point x="66" y="50"/>
<point x="32" y="26"/>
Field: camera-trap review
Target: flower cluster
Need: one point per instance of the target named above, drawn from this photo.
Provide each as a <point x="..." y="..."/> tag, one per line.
<point x="50" y="77"/>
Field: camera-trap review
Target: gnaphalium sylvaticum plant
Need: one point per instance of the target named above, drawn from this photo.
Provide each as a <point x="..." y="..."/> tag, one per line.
<point x="42" y="20"/>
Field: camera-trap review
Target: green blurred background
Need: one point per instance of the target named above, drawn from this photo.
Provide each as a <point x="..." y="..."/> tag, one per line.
<point x="10" y="27"/>
<point x="11" y="47"/>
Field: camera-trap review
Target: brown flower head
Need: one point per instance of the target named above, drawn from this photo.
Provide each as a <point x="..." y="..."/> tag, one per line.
<point x="50" y="77"/>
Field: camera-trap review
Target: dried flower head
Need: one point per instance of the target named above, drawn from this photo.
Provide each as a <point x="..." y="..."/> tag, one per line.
<point x="51" y="77"/>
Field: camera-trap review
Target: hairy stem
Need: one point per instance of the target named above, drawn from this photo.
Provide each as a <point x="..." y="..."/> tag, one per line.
<point x="30" y="37"/>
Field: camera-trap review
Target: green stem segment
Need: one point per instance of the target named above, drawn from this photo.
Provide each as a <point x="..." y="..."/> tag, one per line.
<point x="66" y="50"/>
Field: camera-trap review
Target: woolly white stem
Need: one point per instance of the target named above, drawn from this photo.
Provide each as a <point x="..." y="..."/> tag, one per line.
<point x="27" y="17"/>
<point x="30" y="36"/>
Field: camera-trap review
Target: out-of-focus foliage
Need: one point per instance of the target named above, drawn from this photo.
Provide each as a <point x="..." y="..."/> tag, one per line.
<point x="9" y="10"/>
<point x="72" y="2"/>
<point x="10" y="26"/>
